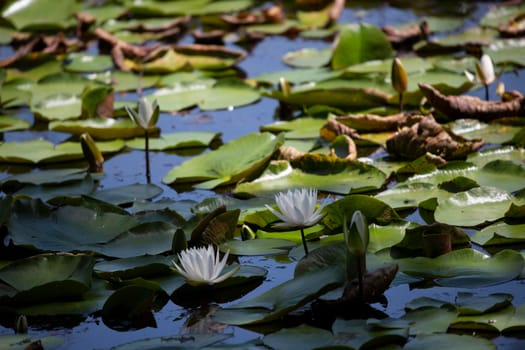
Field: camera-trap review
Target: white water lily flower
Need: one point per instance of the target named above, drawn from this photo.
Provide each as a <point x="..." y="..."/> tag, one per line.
<point x="201" y="266"/>
<point x="297" y="208"/>
<point x="147" y="115"/>
<point x="485" y="70"/>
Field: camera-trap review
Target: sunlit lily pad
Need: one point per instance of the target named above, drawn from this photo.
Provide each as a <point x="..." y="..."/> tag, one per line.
<point x="42" y="151"/>
<point x="207" y="94"/>
<point x="227" y="165"/>
<point x="29" y="17"/>
<point x="80" y="62"/>
<point x="267" y="246"/>
<point x="359" y="43"/>
<point x="490" y="133"/>
<point x="473" y="207"/>
<point x="352" y="178"/>
<point x="506" y="51"/>
<point x="308" y="58"/>
<point x="500" y="233"/>
<point x="297" y="76"/>
<point x="514" y="154"/>
<point x="466" y="268"/>
<point x="176" y="140"/>
<point x="46" y="277"/>
<point x="57" y="107"/>
<point x="300" y="128"/>
<point x="127" y="194"/>
<point x="101" y="128"/>
<point x="8" y="123"/>
<point x="411" y="194"/>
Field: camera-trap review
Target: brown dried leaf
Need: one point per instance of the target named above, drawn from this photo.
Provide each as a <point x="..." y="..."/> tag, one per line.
<point x="515" y="27"/>
<point x="458" y="107"/>
<point x="429" y="136"/>
<point x="378" y="123"/>
<point x="375" y="283"/>
<point x="333" y="128"/>
<point x="408" y="35"/>
<point x="216" y="228"/>
<point x="344" y="147"/>
<point x="289" y="153"/>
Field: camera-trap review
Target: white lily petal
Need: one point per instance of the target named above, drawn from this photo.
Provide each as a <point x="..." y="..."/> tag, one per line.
<point x="227" y="274"/>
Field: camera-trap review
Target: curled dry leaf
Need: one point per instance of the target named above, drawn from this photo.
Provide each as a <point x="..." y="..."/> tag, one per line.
<point x="374" y="285"/>
<point x="408" y="35"/>
<point x="458" y="107"/>
<point x="378" y="123"/>
<point x="273" y="14"/>
<point x="333" y="128"/>
<point x="429" y="136"/>
<point x="120" y="49"/>
<point x="289" y="153"/>
<point x="515" y="27"/>
<point x="344" y="147"/>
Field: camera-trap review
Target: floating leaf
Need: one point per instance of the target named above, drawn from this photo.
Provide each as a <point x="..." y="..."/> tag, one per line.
<point x="30" y="16"/>
<point x="299" y="128"/>
<point x="500" y="233"/>
<point x="470" y="304"/>
<point x="101" y="128"/>
<point x="359" y="334"/>
<point x="473" y="207"/>
<point x="127" y="194"/>
<point x="186" y="340"/>
<point x="308" y="58"/>
<point x="466" y="268"/>
<point x="266" y="246"/>
<point x="21" y="341"/>
<point x="281" y="299"/>
<point x="81" y="62"/>
<point x="407" y="195"/>
<point x="297" y="76"/>
<point x="304" y="337"/>
<point x="57" y="107"/>
<point x="139" y="266"/>
<point x="47" y="277"/>
<point x="360" y="43"/>
<point x="227" y="165"/>
<point x="8" y="123"/>
<point x="177" y="140"/>
<point x="344" y="178"/>
<point x="450" y="341"/>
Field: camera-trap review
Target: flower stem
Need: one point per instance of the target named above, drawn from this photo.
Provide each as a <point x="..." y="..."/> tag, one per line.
<point x="146" y="140"/>
<point x="486" y="92"/>
<point x="360" y="277"/>
<point x="304" y="242"/>
<point x="400" y="102"/>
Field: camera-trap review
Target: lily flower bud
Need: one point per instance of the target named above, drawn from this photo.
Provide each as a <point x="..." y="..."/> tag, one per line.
<point x="357" y="236"/>
<point x="485" y="70"/>
<point x="91" y="152"/>
<point x="399" y="77"/>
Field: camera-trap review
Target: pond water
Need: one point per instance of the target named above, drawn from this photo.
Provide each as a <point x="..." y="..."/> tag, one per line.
<point x="127" y="168"/>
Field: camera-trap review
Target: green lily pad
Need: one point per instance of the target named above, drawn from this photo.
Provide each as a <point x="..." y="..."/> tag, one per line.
<point x="470" y="304"/>
<point x="83" y="63"/>
<point x="413" y="65"/>
<point x="127" y="194"/>
<point x="449" y="341"/>
<point x="176" y="140"/>
<point x="29" y="17"/>
<point x="101" y="128"/>
<point x="300" y="128"/>
<point x="409" y="195"/>
<point x="21" y="341"/>
<point x="498" y="15"/>
<point x="57" y="193"/>
<point x="500" y="233"/>
<point x="506" y="51"/>
<point x="385" y="236"/>
<point x="466" y="268"/>
<point x="124" y="81"/>
<point x="197" y="341"/>
<point x="60" y="84"/>
<point x="8" y="123"/>
<point x="490" y="133"/>
<point x="303" y="337"/>
<point x="510" y="153"/>
<point x="308" y="58"/>
<point x="297" y="76"/>
<point x="57" y="107"/>
<point x="133" y="267"/>
<point x="42" y="177"/>
<point x="70" y="228"/>
<point x="473" y="207"/>
<point x="207" y="94"/>
<point x="47" y="277"/>
<point x="351" y="177"/>
<point x="267" y="246"/>
<point x="227" y="165"/>
<point x="280" y="300"/>
<point x="429" y="320"/>
<point x="359" y="334"/>
<point x="42" y="151"/>
<point x="360" y="43"/>
<point x="487" y="322"/>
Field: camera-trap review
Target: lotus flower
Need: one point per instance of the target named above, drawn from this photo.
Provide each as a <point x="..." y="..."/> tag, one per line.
<point x="297" y="210"/>
<point x="202" y="266"/>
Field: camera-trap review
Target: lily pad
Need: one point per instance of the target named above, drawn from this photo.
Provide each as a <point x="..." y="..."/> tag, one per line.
<point x="227" y="165"/>
<point x="176" y="140"/>
<point x="466" y="268"/>
<point x="57" y="107"/>
<point x="308" y="58"/>
<point x="42" y="151"/>
<point x="409" y="195"/>
<point x="266" y="246"/>
<point x="281" y="299"/>
<point x="101" y="128"/>
<point x="352" y="177"/>
<point x="83" y="63"/>
<point x="300" y="128"/>
<point x="473" y="207"/>
<point x="21" y="341"/>
<point x="303" y="337"/>
<point x="29" y="17"/>
<point x="8" y="123"/>
<point x="47" y="277"/>
<point x="297" y="76"/>
<point x="450" y="341"/>
<point x="500" y="233"/>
